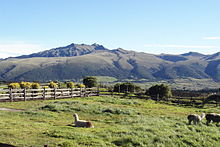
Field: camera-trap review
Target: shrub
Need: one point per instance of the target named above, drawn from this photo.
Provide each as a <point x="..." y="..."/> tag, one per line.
<point x="45" y="87"/>
<point x="70" y="85"/>
<point x="80" y="86"/>
<point x="53" y="85"/>
<point x="35" y="86"/>
<point x="90" y="82"/>
<point x="126" y="87"/>
<point x="159" y="91"/>
<point x="26" y="85"/>
<point x="14" y="86"/>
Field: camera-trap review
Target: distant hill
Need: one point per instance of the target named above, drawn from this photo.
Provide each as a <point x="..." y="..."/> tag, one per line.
<point x="172" y="58"/>
<point x="193" y="54"/>
<point x="78" y="60"/>
<point x="67" y="51"/>
<point x="213" y="56"/>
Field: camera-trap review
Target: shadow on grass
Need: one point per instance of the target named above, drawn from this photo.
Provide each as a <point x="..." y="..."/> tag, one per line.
<point x="71" y="125"/>
<point x="182" y="105"/>
<point x="6" y="145"/>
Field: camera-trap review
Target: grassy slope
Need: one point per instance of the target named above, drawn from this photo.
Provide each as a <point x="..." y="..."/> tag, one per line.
<point x="119" y="63"/>
<point x="126" y="122"/>
<point x="115" y="64"/>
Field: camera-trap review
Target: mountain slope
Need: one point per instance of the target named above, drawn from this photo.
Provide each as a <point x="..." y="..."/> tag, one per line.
<point x="116" y="63"/>
<point x="78" y="60"/>
<point x="215" y="56"/>
<point x="213" y="69"/>
<point x="192" y="54"/>
<point x="67" y="51"/>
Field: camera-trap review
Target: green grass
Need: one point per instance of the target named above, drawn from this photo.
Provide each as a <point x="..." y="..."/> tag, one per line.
<point x="106" y="79"/>
<point x="118" y="122"/>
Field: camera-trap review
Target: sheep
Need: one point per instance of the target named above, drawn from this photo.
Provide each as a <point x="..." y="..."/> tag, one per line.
<point x="212" y="117"/>
<point x="195" y="118"/>
<point x="82" y="123"/>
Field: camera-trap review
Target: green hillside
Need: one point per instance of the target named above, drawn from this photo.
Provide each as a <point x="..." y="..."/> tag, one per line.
<point x="117" y="121"/>
<point x="77" y="61"/>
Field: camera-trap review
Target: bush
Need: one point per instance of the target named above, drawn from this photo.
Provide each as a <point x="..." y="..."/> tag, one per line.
<point x="80" y="86"/>
<point x="70" y="85"/>
<point x="25" y="85"/>
<point x="159" y="91"/>
<point x="126" y="87"/>
<point x="45" y="87"/>
<point x="90" y="82"/>
<point x="35" y="86"/>
<point x="14" y="86"/>
<point x="53" y="85"/>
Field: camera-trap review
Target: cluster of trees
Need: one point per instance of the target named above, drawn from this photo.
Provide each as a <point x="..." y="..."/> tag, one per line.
<point x="126" y="87"/>
<point x="87" y="82"/>
<point x="90" y="82"/>
<point x="159" y="91"/>
<point x="24" y="85"/>
<point x="73" y="85"/>
<point x="32" y="85"/>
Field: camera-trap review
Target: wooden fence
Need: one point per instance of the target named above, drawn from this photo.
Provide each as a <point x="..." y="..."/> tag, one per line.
<point x="32" y="94"/>
<point x="188" y="100"/>
<point x="192" y="101"/>
<point x="45" y="94"/>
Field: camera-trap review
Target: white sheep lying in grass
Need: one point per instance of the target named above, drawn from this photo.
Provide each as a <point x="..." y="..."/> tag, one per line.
<point x="195" y="118"/>
<point x="212" y="117"/>
<point x="82" y="123"/>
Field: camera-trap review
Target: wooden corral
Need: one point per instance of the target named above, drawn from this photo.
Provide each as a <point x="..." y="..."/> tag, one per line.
<point x="33" y="94"/>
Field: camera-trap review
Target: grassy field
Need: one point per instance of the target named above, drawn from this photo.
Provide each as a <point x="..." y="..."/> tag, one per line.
<point x="118" y="122"/>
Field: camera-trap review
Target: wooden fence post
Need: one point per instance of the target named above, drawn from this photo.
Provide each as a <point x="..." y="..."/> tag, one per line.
<point x="157" y="98"/>
<point x="10" y="95"/>
<point x="203" y="101"/>
<point x="98" y="91"/>
<point x="80" y="91"/>
<point x="54" y="93"/>
<point x="119" y="88"/>
<point x="44" y="93"/>
<point x="85" y="94"/>
<point x="71" y="92"/>
<point x="24" y="91"/>
<point x="191" y="100"/>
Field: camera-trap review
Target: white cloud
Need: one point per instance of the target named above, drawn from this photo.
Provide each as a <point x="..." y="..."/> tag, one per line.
<point x="16" y="48"/>
<point x="211" y="38"/>
<point x="178" y="46"/>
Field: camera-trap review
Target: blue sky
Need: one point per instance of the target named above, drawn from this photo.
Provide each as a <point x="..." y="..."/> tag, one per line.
<point x="152" y="26"/>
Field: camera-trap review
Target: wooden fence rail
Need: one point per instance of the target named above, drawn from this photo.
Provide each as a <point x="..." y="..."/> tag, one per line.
<point x="199" y="101"/>
<point x="32" y="94"/>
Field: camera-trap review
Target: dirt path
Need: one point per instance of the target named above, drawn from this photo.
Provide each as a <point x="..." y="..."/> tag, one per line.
<point x="10" y="109"/>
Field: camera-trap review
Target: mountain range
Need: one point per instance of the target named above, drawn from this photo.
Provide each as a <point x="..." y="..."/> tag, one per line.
<point x="76" y="61"/>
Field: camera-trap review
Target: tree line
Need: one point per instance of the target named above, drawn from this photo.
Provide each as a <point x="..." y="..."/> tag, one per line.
<point x="160" y="91"/>
<point x="88" y="82"/>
